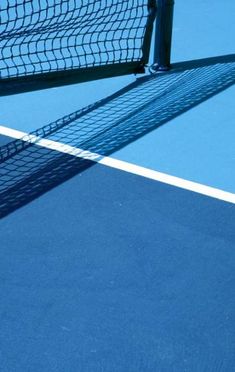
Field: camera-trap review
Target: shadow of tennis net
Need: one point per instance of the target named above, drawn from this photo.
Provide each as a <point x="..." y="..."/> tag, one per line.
<point x="33" y="165"/>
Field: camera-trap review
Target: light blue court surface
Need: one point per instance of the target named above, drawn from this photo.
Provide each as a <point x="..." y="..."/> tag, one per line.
<point x="117" y="220"/>
<point x="198" y="140"/>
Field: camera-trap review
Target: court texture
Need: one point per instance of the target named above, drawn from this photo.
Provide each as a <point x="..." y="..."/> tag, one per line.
<point x="117" y="230"/>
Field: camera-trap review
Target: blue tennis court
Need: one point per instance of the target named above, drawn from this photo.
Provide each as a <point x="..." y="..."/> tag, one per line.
<point x="117" y="214"/>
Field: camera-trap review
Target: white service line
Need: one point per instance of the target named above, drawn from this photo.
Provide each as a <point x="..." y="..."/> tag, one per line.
<point x="121" y="165"/>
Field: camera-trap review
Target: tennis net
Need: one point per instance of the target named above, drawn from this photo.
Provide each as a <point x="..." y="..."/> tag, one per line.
<point x="39" y="37"/>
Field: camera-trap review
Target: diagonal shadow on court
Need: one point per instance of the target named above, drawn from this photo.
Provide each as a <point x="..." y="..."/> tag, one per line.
<point x="28" y="170"/>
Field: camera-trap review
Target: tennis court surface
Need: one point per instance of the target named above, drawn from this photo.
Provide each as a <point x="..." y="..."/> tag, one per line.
<point x="117" y="218"/>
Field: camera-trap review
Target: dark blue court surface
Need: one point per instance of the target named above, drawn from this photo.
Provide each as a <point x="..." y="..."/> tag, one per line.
<point x="104" y="270"/>
<point x="115" y="272"/>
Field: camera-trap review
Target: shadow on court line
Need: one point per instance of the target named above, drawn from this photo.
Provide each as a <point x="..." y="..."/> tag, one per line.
<point x="28" y="170"/>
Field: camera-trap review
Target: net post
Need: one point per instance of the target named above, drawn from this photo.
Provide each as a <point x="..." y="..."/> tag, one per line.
<point x="163" y="35"/>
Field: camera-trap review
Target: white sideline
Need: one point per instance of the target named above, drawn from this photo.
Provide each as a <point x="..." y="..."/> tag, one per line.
<point x="121" y="165"/>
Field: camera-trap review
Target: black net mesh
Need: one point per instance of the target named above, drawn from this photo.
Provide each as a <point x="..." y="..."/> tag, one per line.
<point x="41" y="36"/>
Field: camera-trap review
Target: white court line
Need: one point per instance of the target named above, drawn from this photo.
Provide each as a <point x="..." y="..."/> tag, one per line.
<point x="121" y="165"/>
